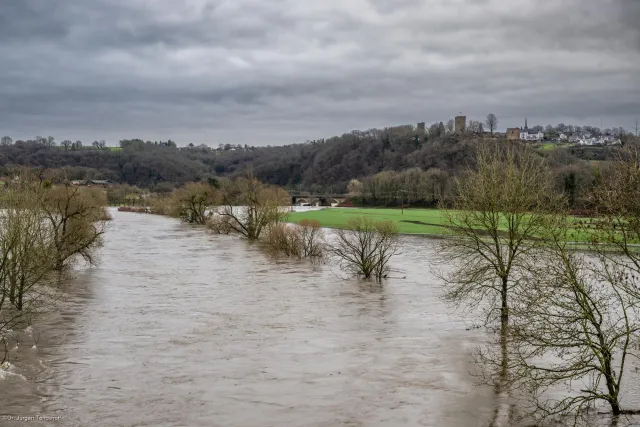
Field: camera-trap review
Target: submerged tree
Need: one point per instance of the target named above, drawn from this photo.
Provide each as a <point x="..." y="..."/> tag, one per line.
<point x="366" y="247"/>
<point x="27" y="249"/>
<point x="503" y="205"/>
<point x="305" y="240"/>
<point x="194" y="202"/>
<point x="576" y="321"/>
<point x="249" y="208"/>
<point x="76" y="217"/>
<point x="27" y="261"/>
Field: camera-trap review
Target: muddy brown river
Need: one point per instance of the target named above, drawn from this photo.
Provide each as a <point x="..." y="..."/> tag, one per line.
<point x="177" y="327"/>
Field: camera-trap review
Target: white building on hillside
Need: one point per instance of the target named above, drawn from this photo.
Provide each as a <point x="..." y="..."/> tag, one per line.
<point x="530" y="135"/>
<point x="527" y="134"/>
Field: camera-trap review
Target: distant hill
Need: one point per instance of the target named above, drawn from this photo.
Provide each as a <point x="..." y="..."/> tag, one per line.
<point x="315" y="165"/>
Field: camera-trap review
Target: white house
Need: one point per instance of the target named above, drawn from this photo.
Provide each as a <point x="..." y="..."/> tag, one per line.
<point x="586" y="141"/>
<point x="563" y="137"/>
<point x="530" y="135"/>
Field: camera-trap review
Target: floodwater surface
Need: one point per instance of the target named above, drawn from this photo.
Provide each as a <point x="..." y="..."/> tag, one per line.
<point x="177" y="327"/>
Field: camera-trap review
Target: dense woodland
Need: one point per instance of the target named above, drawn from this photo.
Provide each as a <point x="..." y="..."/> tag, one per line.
<point x="418" y="166"/>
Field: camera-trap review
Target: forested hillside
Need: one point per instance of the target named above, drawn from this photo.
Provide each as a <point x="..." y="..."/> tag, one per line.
<point x="327" y="162"/>
<point x="403" y="154"/>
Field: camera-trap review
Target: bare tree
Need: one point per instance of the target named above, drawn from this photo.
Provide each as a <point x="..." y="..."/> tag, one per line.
<point x="575" y="316"/>
<point x="450" y="126"/>
<point x="5" y="140"/>
<point x="29" y="252"/>
<point x="475" y="127"/>
<point x="194" y="202"/>
<point x="354" y="187"/>
<point x="617" y="197"/>
<point x="75" y="216"/>
<point x="99" y="144"/>
<point x="249" y="208"/>
<point x="366" y="247"/>
<point x="491" y="122"/>
<point x="66" y="144"/>
<point x="502" y="206"/>
<point x="26" y="258"/>
<point x="575" y="323"/>
<point x="312" y="238"/>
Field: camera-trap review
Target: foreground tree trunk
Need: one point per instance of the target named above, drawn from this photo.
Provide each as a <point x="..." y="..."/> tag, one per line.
<point x="502" y="207"/>
<point x="504" y="309"/>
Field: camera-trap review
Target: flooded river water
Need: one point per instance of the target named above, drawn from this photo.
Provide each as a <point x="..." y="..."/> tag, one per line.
<point x="177" y="327"/>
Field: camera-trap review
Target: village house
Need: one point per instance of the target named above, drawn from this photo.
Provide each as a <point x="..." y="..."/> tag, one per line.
<point x="602" y="140"/>
<point x="527" y="134"/>
<point x="530" y="135"/>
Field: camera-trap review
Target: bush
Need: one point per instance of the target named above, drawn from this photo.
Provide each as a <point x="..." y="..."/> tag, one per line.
<point x="283" y="238"/>
<point x="299" y="241"/>
<point x="162" y="204"/>
<point x="195" y="201"/>
<point x="366" y="248"/>
<point x="312" y="238"/>
<point x="219" y="224"/>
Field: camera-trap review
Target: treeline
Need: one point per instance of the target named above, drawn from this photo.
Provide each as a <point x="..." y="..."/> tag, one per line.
<point x="45" y="227"/>
<point x="416" y="187"/>
<point x="326" y="165"/>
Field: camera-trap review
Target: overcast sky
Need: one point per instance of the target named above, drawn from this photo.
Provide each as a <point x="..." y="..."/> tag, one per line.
<point x="281" y="71"/>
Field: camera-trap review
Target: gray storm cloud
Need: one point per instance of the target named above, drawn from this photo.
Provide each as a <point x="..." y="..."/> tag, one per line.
<point x="282" y="71"/>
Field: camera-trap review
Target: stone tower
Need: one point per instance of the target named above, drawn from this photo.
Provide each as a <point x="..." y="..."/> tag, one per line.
<point x="513" y="134"/>
<point x="461" y="124"/>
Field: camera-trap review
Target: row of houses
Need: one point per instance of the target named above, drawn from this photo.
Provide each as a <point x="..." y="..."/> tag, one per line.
<point x="586" y="138"/>
<point x="592" y="140"/>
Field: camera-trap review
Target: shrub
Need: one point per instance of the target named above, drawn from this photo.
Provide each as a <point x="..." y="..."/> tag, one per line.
<point x="299" y="241"/>
<point x="283" y="238"/>
<point x="218" y="224"/>
<point x="312" y="238"/>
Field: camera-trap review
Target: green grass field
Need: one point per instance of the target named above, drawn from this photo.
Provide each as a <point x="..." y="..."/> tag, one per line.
<point x="431" y="222"/>
<point x="413" y="221"/>
<point x="550" y="146"/>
